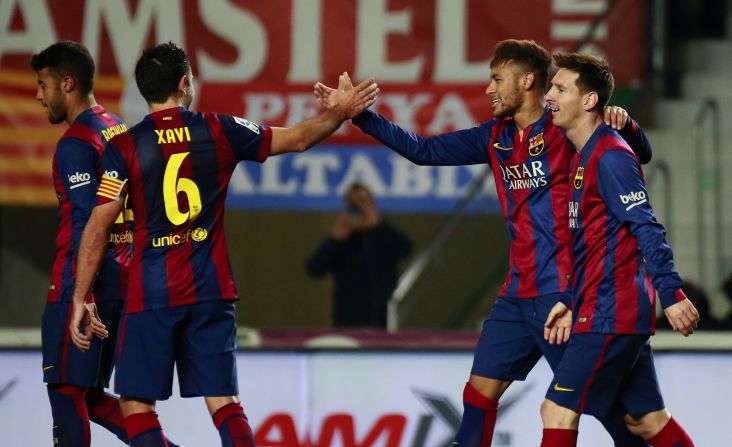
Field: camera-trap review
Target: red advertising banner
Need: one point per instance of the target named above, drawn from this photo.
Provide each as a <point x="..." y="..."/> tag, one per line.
<point x="260" y="59"/>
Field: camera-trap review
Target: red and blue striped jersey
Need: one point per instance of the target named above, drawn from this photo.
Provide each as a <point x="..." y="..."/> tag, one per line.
<point x="530" y="169"/>
<point x="174" y="168"/>
<point x="76" y="175"/>
<point x="617" y="244"/>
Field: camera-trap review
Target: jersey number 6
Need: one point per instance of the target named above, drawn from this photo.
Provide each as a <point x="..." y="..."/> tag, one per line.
<point x="172" y="186"/>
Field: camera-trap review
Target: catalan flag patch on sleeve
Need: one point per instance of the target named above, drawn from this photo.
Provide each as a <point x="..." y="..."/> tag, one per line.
<point x="111" y="188"/>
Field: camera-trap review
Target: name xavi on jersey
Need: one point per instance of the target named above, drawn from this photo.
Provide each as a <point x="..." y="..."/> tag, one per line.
<point x="525" y="175"/>
<point x="78" y="179"/>
<point x="633" y="199"/>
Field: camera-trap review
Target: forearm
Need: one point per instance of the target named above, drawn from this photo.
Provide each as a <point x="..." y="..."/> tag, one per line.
<point x="637" y="140"/>
<point x="91" y="252"/>
<point x="449" y="149"/>
<point x="305" y="134"/>
<point x="659" y="261"/>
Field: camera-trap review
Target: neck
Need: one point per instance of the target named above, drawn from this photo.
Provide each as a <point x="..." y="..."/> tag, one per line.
<point x="78" y="106"/>
<point x="581" y="133"/>
<point x="530" y="111"/>
<point x="171" y="103"/>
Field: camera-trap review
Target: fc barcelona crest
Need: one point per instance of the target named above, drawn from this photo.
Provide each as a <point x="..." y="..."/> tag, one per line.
<point x="536" y="144"/>
<point x="579" y="176"/>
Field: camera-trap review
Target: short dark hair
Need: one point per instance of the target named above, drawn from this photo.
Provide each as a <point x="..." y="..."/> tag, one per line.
<point x="158" y="71"/>
<point x="527" y="53"/>
<point x="67" y="58"/>
<point x="594" y="75"/>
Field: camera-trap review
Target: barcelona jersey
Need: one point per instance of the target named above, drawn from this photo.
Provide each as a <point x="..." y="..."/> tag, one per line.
<point x="620" y="253"/>
<point x="76" y="175"/>
<point x="174" y="168"/>
<point x="530" y="169"/>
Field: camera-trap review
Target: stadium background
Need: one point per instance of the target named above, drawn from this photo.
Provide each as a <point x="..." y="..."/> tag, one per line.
<point x="259" y="60"/>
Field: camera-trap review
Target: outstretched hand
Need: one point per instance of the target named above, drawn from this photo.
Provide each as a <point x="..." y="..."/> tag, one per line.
<point x="85" y="323"/>
<point x="558" y="325"/>
<point x="347" y="99"/>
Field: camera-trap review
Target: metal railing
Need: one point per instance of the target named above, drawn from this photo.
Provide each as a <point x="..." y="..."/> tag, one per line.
<point x="709" y="178"/>
<point x="417" y="267"/>
<point x="660" y="169"/>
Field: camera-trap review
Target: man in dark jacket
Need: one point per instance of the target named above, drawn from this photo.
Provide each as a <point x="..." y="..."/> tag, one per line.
<point x="362" y="251"/>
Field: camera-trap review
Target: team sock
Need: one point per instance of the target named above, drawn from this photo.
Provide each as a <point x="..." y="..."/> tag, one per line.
<point x="559" y="437"/>
<point x="70" y="416"/>
<point x="104" y="410"/>
<point x="671" y="435"/>
<point x="144" y="430"/>
<point x="479" y="419"/>
<point x="233" y="426"/>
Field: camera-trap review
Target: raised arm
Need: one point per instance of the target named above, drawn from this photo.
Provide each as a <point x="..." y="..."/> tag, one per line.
<point x="349" y="101"/>
<point x="450" y="149"/>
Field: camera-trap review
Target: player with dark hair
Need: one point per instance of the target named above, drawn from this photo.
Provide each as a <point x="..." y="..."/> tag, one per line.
<point x="530" y="158"/>
<point x="618" y="247"/>
<point x="174" y="168"/>
<point x="76" y="380"/>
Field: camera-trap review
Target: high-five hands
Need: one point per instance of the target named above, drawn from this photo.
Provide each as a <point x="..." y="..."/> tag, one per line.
<point x="347" y="99"/>
<point x="558" y="324"/>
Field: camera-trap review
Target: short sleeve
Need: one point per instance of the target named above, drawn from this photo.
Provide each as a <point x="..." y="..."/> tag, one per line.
<point x="248" y="140"/>
<point x="115" y="175"/>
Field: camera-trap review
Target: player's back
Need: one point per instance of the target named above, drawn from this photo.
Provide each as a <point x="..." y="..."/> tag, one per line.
<point x="76" y="174"/>
<point x="177" y="165"/>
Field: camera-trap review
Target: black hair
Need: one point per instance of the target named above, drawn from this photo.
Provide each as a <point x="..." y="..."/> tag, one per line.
<point x="67" y="58"/>
<point x="159" y="70"/>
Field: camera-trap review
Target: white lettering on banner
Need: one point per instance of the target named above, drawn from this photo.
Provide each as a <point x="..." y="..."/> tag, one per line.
<point x="451" y="114"/>
<point x="375" y="23"/>
<point x="316" y="167"/>
<point x="38" y="32"/>
<point x="305" y="44"/>
<point x="128" y="34"/>
<point x="362" y="170"/>
<point x="451" y="48"/>
<point x="405" y="108"/>
<point x="325" y="174"/>
<point x="241" y="182"/>
<point x="241" y="29"/>
<point x="301" y="106"/>
<point x="263" y="107"/>
<point x="271" y="181"/>
<point x="408" y="179"/>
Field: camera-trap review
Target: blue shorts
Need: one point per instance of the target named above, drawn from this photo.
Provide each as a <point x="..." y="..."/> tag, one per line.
<point x="600" y="369"/>
<point x="199" y="339"/>
<point x="63" y="363"/>
<point x="512" y="339"/>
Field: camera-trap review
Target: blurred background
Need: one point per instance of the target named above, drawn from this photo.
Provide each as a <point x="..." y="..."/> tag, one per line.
<point x="672" y="63"/>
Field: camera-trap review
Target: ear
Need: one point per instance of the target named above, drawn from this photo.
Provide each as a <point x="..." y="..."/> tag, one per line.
<point x="67" y="84"/>
<point x="590" y="100"/>
<point x="528" y="80"/>
<point x="184" y="85"/>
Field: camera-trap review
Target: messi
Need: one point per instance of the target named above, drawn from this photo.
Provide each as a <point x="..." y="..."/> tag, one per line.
<point x="632" y="197"/>
<point x="177" y="135"/>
